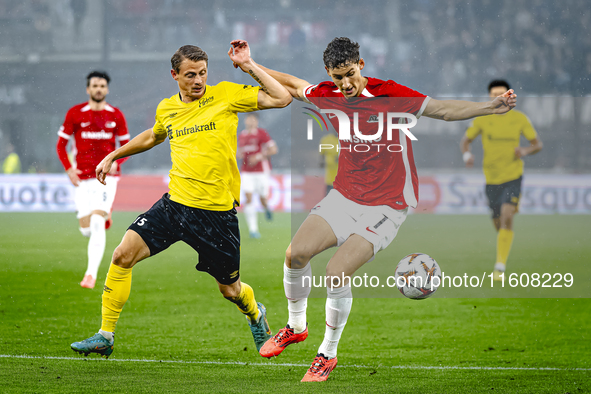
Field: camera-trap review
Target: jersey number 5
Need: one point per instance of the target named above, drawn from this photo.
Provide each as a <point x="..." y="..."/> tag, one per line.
<point x="141" y="222"/>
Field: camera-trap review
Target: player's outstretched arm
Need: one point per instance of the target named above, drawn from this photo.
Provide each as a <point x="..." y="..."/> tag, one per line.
<point x="450" y="110"/>
<point x="72" y="171"/>
<point x="294" y="85"/>
<point x="141" y="143"/>
<point x="272" y="94"/>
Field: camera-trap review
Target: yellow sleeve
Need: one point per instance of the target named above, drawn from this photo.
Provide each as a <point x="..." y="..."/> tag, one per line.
<point x="527" y="129"/>
<point x="241" y="98"/>
<point x="158" y="127"/>
<point x="474" y="130"/>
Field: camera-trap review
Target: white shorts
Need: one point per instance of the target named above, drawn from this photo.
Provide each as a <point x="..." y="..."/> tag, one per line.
<point x="91" y="195"/>
<point x="256" y="182"/>
<point x="377" y="224"/>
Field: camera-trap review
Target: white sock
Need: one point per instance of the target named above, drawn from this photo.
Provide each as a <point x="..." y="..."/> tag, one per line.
<point x="338" y="307"/>
<point x="297" y="290"/>
<point x="96" y="244"/>
<point x="250" y="211"/>
<point x="108" y="335"/>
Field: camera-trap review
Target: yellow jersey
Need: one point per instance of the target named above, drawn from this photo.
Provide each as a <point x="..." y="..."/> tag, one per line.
<point x="12" y="164"/>
<point x="202" y="136"/>
<point x="500" y="137"/>
<point x="331" y="157"/>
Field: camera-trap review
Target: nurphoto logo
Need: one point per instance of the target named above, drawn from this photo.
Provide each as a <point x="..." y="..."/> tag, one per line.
<point x="364" y="142"/>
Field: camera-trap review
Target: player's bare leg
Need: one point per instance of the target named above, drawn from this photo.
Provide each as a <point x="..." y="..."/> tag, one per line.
<point x="313" y="237"/>
<point x="355" y="252"/>
<point x="497" y="223"/>
<point x="93" y="226"/>
<point x="265" y="204"/>
<point x="251" y="214"/>
<point x="130" y="251"/>
<point x="242" y="296"/>
<point x="504" y="225"/>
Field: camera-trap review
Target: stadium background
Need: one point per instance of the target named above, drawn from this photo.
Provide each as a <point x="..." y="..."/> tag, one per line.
<point x="443" y="48"/>
<point x="543" y="48"/>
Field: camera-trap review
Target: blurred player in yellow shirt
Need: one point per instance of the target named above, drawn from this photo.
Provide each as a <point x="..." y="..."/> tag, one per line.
<point x="12" y="163"/>
<point x="330" y="159"/>
<point x="502" y="166"/>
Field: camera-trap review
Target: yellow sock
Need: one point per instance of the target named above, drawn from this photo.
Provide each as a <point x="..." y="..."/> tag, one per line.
<point x="504" y="241"/>
<point x="246" y="302"/>
<point x="115" y="294"/>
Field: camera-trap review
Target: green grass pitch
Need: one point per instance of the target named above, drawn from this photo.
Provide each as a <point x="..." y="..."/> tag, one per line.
<point x="177" y="334"/>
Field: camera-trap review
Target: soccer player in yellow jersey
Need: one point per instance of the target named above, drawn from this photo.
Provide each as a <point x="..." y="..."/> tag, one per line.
<point x="200" y="123"/>
<point x="502" y="165"/>
<point x="330" y="159"/>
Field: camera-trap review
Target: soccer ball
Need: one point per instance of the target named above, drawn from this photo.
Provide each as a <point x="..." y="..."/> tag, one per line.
<point x="417" y="276"/>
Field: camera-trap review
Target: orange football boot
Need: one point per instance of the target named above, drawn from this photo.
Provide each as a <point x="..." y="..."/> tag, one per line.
<point x="286" y="336"/>
<point x="320" y="369"/>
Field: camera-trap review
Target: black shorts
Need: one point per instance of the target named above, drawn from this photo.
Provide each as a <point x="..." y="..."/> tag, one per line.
<point x="213" y="234"/>
<point x="505" y="193"/>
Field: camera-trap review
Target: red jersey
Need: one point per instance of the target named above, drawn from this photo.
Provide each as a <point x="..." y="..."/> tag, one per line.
<point x="380" y="172"/>
<point x="95" y="136"/>
<point x="251" y="143"/>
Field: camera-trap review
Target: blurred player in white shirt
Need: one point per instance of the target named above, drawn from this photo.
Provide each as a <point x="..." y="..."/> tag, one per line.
<point x="255" y="146"/>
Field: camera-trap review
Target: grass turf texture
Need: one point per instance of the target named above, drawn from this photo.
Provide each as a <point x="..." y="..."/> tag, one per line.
<point x="176" y="315"/>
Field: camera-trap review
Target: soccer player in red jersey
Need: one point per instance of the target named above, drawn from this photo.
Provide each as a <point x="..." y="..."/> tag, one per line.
<point x="96" y="127"/>
<point x="372" y="190"/>
<point x="255" y="146"/>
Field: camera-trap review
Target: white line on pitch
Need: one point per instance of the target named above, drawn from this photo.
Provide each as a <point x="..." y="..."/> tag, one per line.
<point x="270" y="364"/>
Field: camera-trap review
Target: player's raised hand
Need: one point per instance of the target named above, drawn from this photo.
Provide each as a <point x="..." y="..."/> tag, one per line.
<point x="239" y="53"/>
<point x="103" y="168"/>
<point x="73" y="173"/>
<point x="505" y="102"/>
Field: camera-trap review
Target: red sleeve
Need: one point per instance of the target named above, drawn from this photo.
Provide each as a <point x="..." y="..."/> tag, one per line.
<point x="310" y="91"/>
<point x="318" y="90"/>
<point x="123" y="136"/>
<point x="64" y="135"/>
<point x="407" y="100"/>
<point x="396" y="90"/>
<point x="264" y="137"/>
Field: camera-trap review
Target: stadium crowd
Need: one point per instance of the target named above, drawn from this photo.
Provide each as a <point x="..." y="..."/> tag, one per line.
<point x="543" y="44"/>
<point x="543" y="49"/>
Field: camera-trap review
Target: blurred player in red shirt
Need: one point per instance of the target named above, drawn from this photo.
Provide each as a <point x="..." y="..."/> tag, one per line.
<point x="374" y="186"/>
<point x="255" y="146"/>
<point x="94" y="127"/>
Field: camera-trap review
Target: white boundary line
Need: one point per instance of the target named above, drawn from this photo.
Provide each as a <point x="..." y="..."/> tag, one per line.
<point x="269" y="364"/>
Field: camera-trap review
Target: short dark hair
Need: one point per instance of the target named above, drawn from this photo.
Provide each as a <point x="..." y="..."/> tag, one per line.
<point x="498" y="82"/>
<point x="190" y="52"/>
<point x="97" y="74"/>
<point x="341" y="52"/>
